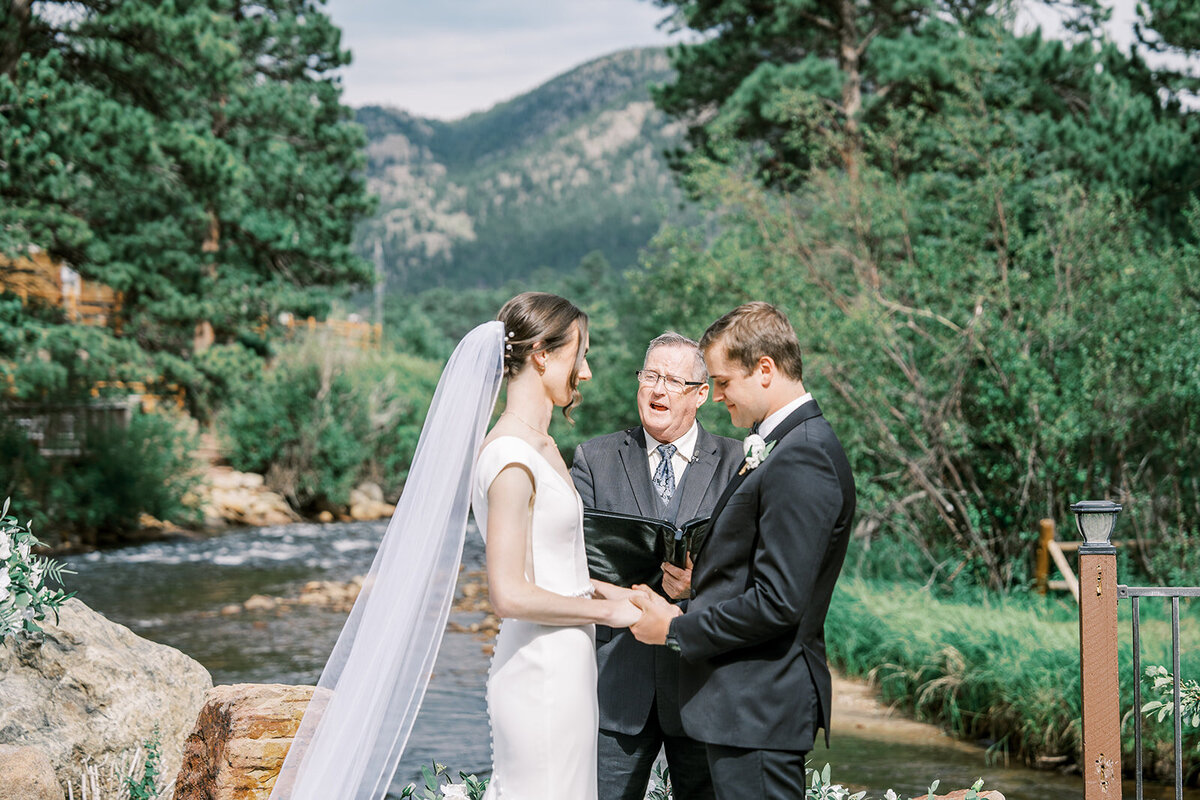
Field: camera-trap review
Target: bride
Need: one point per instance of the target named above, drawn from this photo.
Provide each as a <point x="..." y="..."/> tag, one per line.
<point x="542" y="683"/>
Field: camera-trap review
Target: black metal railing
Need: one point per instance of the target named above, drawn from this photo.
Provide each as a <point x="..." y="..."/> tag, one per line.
<point x="1135" y="593"/>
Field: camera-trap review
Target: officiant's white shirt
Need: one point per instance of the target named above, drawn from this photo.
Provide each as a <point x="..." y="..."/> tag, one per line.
<point x="771" y="422"/>
<point x="685" y="447"/>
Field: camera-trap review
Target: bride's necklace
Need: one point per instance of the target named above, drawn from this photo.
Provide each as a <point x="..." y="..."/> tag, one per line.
<point x="523" y="422"/>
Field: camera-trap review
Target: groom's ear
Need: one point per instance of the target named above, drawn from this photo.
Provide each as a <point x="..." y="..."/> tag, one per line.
<point x="766" y="370"/>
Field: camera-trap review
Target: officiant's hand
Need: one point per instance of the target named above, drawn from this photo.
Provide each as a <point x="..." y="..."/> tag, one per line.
<point x="657" y="614"/>
<point x="677" y="582"/>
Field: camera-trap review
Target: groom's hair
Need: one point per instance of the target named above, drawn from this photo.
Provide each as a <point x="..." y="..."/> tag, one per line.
<point x="752" y="331"/>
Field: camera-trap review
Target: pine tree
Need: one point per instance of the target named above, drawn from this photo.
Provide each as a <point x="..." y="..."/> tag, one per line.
<point x="191" y="154"/>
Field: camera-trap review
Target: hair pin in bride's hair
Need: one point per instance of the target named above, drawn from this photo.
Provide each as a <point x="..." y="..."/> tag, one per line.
<point x="511" y="335"/>
<point x="508" y="346"/>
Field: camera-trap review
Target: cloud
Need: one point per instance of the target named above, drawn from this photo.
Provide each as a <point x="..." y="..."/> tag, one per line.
<point x="447" y="59"/>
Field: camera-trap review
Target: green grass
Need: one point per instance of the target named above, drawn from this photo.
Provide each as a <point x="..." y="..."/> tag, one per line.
<point x="1000" y="669"/>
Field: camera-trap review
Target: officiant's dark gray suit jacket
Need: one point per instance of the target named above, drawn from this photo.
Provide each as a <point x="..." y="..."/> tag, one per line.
<point x="753" y="673"/>
<point x="612" y="473"/>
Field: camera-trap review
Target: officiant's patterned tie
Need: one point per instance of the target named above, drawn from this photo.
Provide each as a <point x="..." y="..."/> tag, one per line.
<point x="664" y="476"/>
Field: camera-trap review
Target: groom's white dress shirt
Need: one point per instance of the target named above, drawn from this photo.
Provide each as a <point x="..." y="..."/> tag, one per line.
<point x="772" y="421"/>
<point x="685" y="448"/>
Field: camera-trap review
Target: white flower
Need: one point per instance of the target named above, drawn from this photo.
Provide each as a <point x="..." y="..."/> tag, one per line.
<point x="5" y="546"/>
<point x="455" y="791"/>
<point x="889" y="795"/>
<point x="35" y="575"/>
<point x="756" y="449"/>
<point x="23" y="551"/>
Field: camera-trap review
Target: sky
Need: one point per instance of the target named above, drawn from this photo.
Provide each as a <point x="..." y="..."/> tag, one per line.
<point x="447" y="58"/>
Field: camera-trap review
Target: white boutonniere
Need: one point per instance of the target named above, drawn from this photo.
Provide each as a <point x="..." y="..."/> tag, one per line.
<point x="756" y="449"/>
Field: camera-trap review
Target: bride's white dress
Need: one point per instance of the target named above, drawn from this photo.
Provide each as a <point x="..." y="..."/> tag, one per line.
<point x="541" y="689"/>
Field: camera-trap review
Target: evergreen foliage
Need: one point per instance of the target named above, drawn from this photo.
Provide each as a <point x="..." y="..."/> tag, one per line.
<point x="191" y="155"/>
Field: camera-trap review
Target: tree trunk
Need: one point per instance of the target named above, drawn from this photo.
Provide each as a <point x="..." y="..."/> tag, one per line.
<point x="848" y="62"/>
<point x="12" y="35"/>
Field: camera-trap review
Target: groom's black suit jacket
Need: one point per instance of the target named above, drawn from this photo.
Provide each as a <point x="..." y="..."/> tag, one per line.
<point x="753" y="673"/>
<point x="612" y="473"/>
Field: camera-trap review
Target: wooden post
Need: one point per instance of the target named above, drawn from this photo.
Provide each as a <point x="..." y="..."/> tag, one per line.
<point x="1098" y="672"/>
<point x="1042" y="567"/>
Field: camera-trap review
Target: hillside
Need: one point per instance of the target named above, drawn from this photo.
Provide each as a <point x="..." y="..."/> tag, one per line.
<point x="573" y="166"/>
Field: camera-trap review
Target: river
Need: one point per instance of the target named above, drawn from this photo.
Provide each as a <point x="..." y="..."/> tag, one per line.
<point x="173" y="592"/>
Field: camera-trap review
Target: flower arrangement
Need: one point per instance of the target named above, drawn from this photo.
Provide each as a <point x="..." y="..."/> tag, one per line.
<point x="24" y="596"/>
<point x="471" y="787"/>
<point x="821" y="788"/>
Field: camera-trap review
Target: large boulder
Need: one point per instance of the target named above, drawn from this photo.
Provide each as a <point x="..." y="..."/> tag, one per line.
<point x="241" y="737"/>
<point x="93" y="689"/>
<point x="27" y="774"/>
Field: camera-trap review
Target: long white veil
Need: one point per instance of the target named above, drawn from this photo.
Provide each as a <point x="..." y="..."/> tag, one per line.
<point x="362" y="712"/>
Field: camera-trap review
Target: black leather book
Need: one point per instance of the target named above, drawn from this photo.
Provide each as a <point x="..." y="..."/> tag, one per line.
<point x="625" y="549"/>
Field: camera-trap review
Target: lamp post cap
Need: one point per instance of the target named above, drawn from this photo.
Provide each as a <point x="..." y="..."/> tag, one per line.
<point x="1095" y="507"/>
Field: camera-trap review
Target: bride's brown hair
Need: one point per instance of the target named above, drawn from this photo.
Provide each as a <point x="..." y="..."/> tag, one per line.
<point x="536" y="321"/>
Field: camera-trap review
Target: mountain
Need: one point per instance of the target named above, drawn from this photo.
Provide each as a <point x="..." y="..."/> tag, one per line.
<point x="574" y="166"/>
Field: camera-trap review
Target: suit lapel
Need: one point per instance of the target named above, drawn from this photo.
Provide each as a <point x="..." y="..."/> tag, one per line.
<point x="698" y="476"/>
<point x="637" y="471"/>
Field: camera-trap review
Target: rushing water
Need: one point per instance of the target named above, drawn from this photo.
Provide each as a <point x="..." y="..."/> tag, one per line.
<point x="173" y="592"/>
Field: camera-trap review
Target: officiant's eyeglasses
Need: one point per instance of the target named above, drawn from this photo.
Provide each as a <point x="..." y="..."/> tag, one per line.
<point x="648" y="377"/>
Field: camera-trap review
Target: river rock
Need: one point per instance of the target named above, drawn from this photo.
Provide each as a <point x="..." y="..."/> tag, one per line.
<point x="93" y="688"/>
<point x="239" y="741"/>
<point x="366" y="503"/>
<point x="27" y="774"/>
<point x="370" y="490"/>
<point x="260" y="602"/>
<point x="331" y="594"/>
<point x="242" y="498"/>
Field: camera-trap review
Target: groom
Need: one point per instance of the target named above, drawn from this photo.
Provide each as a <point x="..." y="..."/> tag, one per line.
<point x="754" y="685"/>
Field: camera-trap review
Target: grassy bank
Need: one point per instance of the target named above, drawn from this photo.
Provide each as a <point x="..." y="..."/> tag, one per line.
<point x="999" y="669"/>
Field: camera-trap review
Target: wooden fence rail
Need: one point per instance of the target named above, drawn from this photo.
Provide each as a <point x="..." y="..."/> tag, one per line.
<point x="1050" y="549"/>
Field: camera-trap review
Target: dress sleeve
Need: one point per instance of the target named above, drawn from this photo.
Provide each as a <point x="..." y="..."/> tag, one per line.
<point x="503" y="452"/>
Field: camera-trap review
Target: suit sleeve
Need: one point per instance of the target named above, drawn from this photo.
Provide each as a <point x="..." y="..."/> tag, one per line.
<point x="800" y="498"/>
<point x="581" y="474"/>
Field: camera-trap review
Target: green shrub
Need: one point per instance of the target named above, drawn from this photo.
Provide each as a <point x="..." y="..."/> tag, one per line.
<point x="1003" y="669"/>
<point x="321" y="421"/>
<point x="123" y="472"/>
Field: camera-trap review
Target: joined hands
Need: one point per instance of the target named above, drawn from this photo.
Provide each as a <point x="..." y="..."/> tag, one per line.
<point x="656" y="615"/>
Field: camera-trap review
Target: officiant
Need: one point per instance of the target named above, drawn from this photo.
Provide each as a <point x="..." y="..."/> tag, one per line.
<point x="668" y="468"/>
